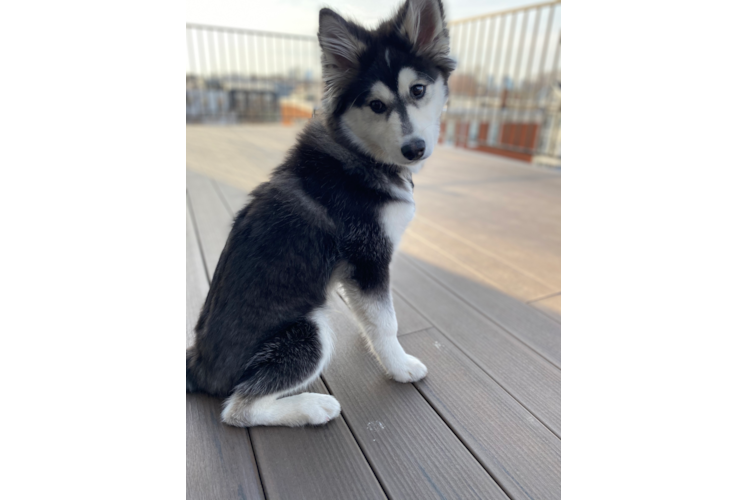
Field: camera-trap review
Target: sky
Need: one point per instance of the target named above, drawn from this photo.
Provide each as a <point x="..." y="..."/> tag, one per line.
<point x="300" y="16"/>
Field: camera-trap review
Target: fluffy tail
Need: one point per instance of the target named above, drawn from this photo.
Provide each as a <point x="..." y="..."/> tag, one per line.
<point x="191" y="384"/>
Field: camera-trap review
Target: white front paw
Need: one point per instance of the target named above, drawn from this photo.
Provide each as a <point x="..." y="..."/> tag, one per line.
<point x="410" y="370"/>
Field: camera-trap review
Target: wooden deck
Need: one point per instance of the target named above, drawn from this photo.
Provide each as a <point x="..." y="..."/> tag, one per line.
<point x="476" y="285"/>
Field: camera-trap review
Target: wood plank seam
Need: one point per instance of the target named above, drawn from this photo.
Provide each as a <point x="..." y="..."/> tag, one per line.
<point x="504" y="327"/>
<point x="466" y="445"/>
<point x="222" y="197"/>
<point x="257" y="463"/>
<point x="534" y="304"/>
<point x="504" y="471"/>
<point x="417" y="331"/>
<point x="405" y="327"/>
<point x="556" y="320"/>
<point x="359" y="428"/>
<point x="358" y="443"/>
<point x="457" y="261"/>
<point x="544" y="297"/>
<point x="197" y="234"/>
<point x="415" y="385"/>
<point x="480" y="365"/>
<point x="457" y="435"/>
<point x="482" y="250"/>
<point x="453" y="259"/>
<point x="415" y="264"/>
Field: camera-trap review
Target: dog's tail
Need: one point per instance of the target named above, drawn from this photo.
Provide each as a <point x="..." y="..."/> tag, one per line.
<point x="191" y="383"/>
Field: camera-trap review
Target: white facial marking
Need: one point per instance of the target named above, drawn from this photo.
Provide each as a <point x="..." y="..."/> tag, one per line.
<point x="423" y="113"/>
<point x="372" y="132"/>
<point x="382" y="92"/>
<point x="381" y="135"/>
<point x="406" y="79"/>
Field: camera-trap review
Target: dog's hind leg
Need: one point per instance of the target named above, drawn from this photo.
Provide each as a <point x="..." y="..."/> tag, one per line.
<point x="287" y="363"/>
<point x="306" y="408"/>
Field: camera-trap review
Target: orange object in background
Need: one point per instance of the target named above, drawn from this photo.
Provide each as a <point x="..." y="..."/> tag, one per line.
<point x="483" y="133"/>
<point x="519" y="134"/>
<point x="504" y="152"/>
<point x="291" y="112"/>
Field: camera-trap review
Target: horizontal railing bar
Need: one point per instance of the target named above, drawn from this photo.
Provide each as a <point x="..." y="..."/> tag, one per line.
<point x="503" y="12"/>
<point x="250" y="32"/>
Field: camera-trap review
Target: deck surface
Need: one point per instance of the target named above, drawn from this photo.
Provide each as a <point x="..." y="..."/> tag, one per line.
<point x="477" y="289"/>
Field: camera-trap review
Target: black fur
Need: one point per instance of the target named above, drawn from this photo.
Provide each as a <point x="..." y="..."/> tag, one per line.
<point x="318" y="214"/>
<point x="278" y="261"/>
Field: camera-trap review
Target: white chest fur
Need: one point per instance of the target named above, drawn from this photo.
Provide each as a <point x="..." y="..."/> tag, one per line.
<point x="396" y="215"/>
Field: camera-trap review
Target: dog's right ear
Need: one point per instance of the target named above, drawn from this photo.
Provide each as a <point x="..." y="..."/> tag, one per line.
<point x="340" y="45"/>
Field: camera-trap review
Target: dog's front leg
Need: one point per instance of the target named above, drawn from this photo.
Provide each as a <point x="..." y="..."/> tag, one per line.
<point x="375" y="312"/>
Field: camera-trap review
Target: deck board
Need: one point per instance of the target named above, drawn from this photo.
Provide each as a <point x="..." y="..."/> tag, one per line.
<point x="314" y="463"/>
<point x="506" y="208"/>
<point x="197" y="278"/>
<point x="408" y="319"/>
<point x="531" y="379"/>
<point x="523" y="321"/>
<point x="415" y="454"/>
<point x="210" y="219"/>
<point x="235" y="198"/>
<point x="445" y="249"/>
<point x="551" y="306"/>
<point x="220" y="460"/>
<point x="240" y="156"/>
<point x="517" y="450"/>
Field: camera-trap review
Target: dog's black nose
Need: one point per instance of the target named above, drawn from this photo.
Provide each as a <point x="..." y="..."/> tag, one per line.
<point x="414" y="149"/>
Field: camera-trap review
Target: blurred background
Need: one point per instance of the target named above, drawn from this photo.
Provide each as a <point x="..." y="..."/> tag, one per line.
<point x="258" y="62"/>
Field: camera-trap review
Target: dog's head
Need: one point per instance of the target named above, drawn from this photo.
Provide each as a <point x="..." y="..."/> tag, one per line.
<point x="385" y="89"/>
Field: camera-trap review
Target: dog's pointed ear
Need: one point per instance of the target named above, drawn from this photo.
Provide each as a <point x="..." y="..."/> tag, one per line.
<point x="341" y="47"/>
<point x="422" y="23"/>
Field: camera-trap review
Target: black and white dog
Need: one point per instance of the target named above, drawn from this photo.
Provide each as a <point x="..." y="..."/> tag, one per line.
<point x="331" y="214"/>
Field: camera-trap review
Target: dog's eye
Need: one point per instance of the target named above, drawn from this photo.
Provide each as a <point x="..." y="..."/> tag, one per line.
<point x="378" y="106"/>
<point x="417" y="91"/>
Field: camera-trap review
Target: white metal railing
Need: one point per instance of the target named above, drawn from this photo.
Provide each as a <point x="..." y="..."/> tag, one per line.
<point x="248" y="75"/>
<point x="505" y="95"/>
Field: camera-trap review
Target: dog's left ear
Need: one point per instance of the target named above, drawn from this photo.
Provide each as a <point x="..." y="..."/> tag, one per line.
<point x="422" y="23"/>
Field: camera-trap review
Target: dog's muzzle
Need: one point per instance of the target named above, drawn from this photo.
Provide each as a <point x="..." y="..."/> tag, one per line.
<point x="414" y="149"/>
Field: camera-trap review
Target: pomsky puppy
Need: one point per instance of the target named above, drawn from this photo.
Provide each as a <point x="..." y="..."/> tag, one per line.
<point x="332" y="214"/>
